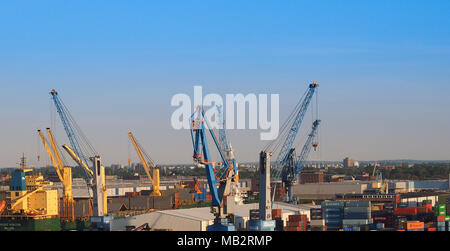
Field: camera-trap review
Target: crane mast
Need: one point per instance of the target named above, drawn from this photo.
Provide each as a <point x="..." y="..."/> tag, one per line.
<point x="220" y="180"/>
<point x="153" y="179"/>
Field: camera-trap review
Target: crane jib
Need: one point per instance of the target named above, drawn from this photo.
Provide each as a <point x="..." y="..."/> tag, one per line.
<point x="292" y="133"/>
<point x="74" y="141"/>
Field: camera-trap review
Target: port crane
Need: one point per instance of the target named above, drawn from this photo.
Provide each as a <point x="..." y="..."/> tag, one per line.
<point x="229" y="153"/>
<point x="294" y="120"/>
<point x="148" y="165"/>
<point x="295" y="163"/>
<point x="228" y="149"/>
<point x="80" y="147"/>
<point x="64" y="175"/>
<point x="379" y="185"/>
<point x="221" y="178"/>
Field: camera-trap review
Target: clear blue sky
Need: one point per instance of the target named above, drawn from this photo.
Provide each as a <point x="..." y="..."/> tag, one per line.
<point x="383" y="68"/>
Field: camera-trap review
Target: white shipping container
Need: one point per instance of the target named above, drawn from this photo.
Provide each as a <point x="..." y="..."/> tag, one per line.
<point x="356" y="222"/>
<point x="317" y="223"/>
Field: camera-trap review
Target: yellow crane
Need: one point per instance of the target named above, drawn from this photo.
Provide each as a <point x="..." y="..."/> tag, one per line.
<point x="64" y="175"/>
<point x="154" y="179"/>
<point x="91" y="174"/>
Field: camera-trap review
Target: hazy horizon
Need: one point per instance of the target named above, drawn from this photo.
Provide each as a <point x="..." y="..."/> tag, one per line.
<point x="383" y="68"/>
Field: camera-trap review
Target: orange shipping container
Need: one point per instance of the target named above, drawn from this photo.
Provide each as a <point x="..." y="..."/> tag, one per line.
<point x="415" y="225"/>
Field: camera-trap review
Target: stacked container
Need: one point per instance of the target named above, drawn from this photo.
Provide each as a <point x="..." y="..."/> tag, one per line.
<point x="357" y="215"/>
<point x="317" y="221"/>
<point x="333" y="214"/>
<point x="448" y="206"/>
<point x="254" y="214"/>
<point x="440" y="210"/>
<point x="276" y="216"/>
<point x="296" y="223"/>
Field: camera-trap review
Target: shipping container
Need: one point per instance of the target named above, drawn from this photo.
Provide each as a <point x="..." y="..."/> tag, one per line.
<point x="297" y="218"/>
<point x="356" y="222"/>
<point x="317" y="223"/>
<point x="406" y="211"/>
<point x="357" y="210"/>
<point x="415" y="225"/>
<point x="357" y="216"/>
<point x="358" y="203"/>
<point x="331" y="204"/>
<point x="276" y="214"/>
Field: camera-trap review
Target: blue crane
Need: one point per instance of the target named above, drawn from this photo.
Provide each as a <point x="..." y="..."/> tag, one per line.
<point x="299" y="112"/>
<point x="285" y="159"/>
<point x="295" y="164"/>
<point x="82" y="149"/>
<point x="72" y="130"/>
<point x="224" y="141"/>
<point x="220" y="177"/>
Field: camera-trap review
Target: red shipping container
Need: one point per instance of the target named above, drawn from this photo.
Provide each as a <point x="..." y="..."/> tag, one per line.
<point x="423" y="210"/>
<point x="441" y="218"/>
<point x="432" y="229"/>
<point x="294" y="229"/>
<point x="276" y="214"/>
<point x="295" y="224"/>
<point x="297" y="217"/>
<point x="406" y="211"/>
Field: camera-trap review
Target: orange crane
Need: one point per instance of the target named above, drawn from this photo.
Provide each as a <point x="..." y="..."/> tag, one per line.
<point x="148" y="164"/>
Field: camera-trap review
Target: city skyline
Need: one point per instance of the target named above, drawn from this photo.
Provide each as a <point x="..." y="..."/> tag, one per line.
<point x="383" y="70"/>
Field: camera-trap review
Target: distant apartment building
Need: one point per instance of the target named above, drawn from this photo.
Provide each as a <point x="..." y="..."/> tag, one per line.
<point x="349" y="162"/>
<point x="117" y="166"/>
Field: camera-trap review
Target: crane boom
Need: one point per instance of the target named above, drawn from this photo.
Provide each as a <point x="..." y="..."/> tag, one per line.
<point x="78" y="160"/>
<point x="55" y="149"/>
<point x="64" y="173"/>
<point x="228" y="150"/>
<point x="155" y="178"/>
<point x="306" y="147"/>
<point x="50" y="154"/>
<point x="293" y="131"/>
<point x="69" y="127"/>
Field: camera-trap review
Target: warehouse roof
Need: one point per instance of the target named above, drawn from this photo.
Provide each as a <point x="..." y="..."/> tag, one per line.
<point x="204" y="213"/>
